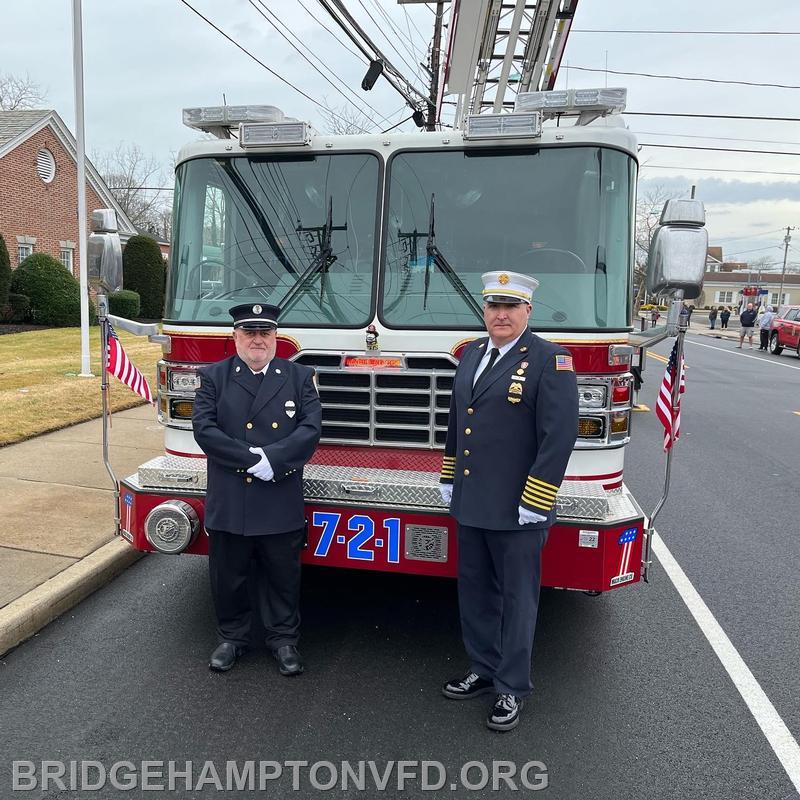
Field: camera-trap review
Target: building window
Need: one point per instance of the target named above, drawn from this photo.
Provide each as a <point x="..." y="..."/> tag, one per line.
<point x="23" y="251"/>
<point x="725" y="297"/>
<point x="774" y="299"/>
<point x="65" y="254"/>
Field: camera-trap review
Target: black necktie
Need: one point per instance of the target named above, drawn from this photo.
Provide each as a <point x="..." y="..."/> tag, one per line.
<point x="493" y="353"/>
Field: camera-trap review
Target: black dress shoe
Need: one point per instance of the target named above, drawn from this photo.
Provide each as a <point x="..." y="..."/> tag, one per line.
<point x="224" y="657"/>
<point x="290" y="662"/>
<point x="504" y="716"/>
<point x="471" y="685"/>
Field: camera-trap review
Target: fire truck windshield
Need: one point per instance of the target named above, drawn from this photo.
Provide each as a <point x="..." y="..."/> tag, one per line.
<point x="297" y="231"/>
<point x="561" y="214"/>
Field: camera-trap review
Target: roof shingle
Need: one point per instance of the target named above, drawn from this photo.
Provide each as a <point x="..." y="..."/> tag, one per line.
<point x="13" y="123"/>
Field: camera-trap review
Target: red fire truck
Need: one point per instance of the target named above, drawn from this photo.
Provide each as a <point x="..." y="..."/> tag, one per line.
<point x="373" y="246"/>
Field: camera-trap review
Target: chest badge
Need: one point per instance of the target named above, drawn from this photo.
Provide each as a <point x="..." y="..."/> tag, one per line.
<point x="515" y="388"/>
<point x="290" y="408"/>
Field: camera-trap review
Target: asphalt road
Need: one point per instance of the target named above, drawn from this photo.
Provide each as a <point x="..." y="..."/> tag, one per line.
<point x="631" y="701"/>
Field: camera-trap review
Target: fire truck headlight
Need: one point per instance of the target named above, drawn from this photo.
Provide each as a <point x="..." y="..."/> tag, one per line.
<point x="172" y="526"/>
<point x="592" y="396"/>
<point x="590" y="427"/>
<point x="184" y="380"/>
<point x="181" y="409"/>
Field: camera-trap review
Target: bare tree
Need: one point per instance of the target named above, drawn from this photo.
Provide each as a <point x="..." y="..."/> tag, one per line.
<point x="345" y="119"/>
<point x="17" y="93"/>
<point x="136" y="181"/>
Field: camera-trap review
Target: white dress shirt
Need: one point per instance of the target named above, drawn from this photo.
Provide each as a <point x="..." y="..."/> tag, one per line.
<point x="487" y="355"/>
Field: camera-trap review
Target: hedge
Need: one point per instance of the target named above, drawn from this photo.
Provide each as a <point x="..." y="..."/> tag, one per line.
<point x="124" y="304"/>
<point x="18" y="308"/>
<point x="144" y="272"/>
<point x="5" y="273"/>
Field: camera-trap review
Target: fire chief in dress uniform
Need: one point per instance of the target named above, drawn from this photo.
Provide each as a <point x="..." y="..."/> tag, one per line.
<point x="513" y="424"/>
<point x="258" y="419"/>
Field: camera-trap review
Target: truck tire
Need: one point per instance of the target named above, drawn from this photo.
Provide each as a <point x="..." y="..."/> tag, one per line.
<point x="774" y="347"/>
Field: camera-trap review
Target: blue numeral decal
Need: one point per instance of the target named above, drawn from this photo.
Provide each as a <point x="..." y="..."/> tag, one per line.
<point x="392" y="527"/>
<point x="328" y="522"/>
<point x="365" y="531"/>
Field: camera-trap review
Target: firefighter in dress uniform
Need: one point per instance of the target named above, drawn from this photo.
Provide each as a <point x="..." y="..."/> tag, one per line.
<point x="513" y="424"/>
<point x="258" y="419"/>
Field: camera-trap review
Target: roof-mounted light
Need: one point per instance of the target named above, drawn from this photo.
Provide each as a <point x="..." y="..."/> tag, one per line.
<point x="503" y="126"/>
<point x="220" y="119"/>
<point x="587" y="104"/>
<point x="264" y="134"/>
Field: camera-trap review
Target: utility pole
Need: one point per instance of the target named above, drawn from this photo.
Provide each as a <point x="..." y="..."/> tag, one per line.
<point x="786" y="240"/>
<point x="435" y="50"/>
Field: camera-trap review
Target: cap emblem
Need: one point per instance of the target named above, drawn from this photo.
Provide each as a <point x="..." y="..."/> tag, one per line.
<point x="257" y="309"/>
<point x="503" y="278"/>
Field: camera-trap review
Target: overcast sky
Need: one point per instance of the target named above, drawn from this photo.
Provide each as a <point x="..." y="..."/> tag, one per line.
<point x="145" y="60"/>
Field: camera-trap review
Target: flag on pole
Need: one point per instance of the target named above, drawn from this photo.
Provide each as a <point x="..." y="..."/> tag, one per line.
<point x="120" y="366"/>
<point x="671" y="421"/>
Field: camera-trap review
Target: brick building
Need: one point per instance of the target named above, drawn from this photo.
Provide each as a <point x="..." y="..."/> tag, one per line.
<point x="38" y="188"/>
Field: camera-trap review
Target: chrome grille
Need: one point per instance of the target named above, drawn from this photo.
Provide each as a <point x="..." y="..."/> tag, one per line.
<point x="387" y="408"/>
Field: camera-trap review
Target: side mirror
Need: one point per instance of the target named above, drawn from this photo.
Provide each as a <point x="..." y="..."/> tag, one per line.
<point x="678" y="249"/>
<point x="104" y="261"/>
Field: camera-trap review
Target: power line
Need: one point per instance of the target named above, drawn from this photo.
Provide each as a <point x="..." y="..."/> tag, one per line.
<point x="714" y="169"/>
<point x="320" y="22"/>
<point x="715" y="138"/>
<point x="720" y="149"/>
<point x="688" y="33"/>
<point x="406" y="41"/>
<point x="261" y="63"/>
<point x="709" y="116"/>
<point x="685" y="78"/>
<point x="413" y="67"/>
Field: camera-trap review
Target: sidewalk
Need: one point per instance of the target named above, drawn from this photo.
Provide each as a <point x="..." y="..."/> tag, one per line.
<point x="56" y="530"/>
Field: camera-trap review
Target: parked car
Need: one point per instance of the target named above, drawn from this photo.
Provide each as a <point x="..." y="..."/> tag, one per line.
<point x="785" y="332"/>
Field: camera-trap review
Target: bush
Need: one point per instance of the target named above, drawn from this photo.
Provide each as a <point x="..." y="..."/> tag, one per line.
<point x="54" y="294"/>
<point x="18" y="308"/>
<point x="5" y="273"/>
<point x="144" y="272"/>
<point x="124" y="304"/>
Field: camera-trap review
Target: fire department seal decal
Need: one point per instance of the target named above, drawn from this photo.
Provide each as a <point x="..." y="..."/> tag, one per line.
<point x="290" y="408"/>
<point x="503" y="278"/>
<point x="257" y="309"/>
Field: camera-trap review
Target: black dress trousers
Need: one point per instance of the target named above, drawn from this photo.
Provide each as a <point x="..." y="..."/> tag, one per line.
<point x="277" y="574"/>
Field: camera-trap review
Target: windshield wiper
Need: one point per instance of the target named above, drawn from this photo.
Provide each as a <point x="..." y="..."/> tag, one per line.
<point x="436" y="257"/>
<point x="320" y="263"/>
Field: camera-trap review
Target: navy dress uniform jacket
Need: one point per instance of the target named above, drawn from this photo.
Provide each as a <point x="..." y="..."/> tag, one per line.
<point x="235" y="410"/>
<point x="509" y="442"/>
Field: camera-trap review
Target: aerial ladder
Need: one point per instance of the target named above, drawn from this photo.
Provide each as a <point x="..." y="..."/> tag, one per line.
<point x="497" y="49"/>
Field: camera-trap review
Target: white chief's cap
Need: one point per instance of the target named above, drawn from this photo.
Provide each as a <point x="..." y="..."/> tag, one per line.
<point x="508" y="287"/>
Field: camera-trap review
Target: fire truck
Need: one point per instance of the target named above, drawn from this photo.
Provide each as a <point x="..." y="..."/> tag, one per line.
<point x="373" y="246"/>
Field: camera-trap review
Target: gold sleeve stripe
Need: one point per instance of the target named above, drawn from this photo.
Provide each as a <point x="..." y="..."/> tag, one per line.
<point x="538" y="505"/>
<point x="541" y="492"/>
<point x="535" y="498"/>
<point x="447" y="473"/>
<point x="542" y="485"/>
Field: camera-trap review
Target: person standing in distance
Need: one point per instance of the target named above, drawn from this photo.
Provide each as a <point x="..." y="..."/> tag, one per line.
<point x="513" y="424"/>
<point x="258" y="419"/>
<point x="747" y="319"/>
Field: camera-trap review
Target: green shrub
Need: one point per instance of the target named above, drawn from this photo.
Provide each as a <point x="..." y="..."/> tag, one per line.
<point x="144" y="272"/>
<point x="124" y="304"/>
<point x="18" y="308"/>
<point x="5" y="273"/>
<point x="53" y="292"/>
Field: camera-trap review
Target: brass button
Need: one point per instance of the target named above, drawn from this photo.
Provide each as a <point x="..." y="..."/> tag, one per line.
<point x="468" y="431"/>
<point x="249" y="479"/>
<point x="249" y="425"/>
<point x="466" y="472"/>
<point x="274" y="424"/>
<point x="470" y="411"/>
<point x="466" y="452"/>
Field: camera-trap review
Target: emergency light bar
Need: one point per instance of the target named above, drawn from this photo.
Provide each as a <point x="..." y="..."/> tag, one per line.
<point x="590" y="102"/>
<point x="261" y="134"/>
<point x="503" y="126"/>
<point x="220" y="119"/>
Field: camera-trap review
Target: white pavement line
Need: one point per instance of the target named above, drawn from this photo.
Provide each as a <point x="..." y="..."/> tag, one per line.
<point x="773" y="727"/>
<point x="744" y="355"/>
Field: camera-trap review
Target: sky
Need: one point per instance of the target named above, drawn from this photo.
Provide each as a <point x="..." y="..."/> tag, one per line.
<point x="146" y="60"/>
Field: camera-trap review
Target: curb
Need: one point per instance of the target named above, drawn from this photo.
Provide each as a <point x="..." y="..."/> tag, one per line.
<point x="27" y="615"/>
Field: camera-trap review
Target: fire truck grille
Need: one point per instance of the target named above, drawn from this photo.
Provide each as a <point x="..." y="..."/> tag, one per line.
<point x="386" y="408"/>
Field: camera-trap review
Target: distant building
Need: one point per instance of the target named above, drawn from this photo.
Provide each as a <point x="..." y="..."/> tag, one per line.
<point x="38" y="186"/>
<point x="725" y="288"/>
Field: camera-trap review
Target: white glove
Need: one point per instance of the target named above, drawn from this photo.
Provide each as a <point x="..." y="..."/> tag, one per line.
<point x="262" y="469"/>
<point x="526" y="517"/>
<point x="446" y="491"/>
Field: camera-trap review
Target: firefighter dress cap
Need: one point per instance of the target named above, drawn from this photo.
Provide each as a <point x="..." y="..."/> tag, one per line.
<point x="508" y="287"/>
<point x="255" y="317"/>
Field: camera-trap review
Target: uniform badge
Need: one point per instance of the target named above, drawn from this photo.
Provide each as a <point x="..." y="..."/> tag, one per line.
<point x="503" y="278"/>
<point x="520" y="372"/>
<point x="513" y="399"/>
<point x="524" y="365"/>
<point x="564" y="363"/>
<point x="515" y="388"/>
<point x="290" y="408"/>
<point x="257" y="309"/>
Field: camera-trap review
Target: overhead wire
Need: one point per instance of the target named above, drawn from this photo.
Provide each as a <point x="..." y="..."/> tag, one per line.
<point x="322" y="24"/>
<point x="686" y="33"/>
<point x="709" y="116"/>
<point x="686" y="78"/>
<point x="260" y="62"/>
<point x="720" y="149"/>
<point x="715" y="138"/>
<point x="714" y="169"/>
<point x="406" y="41"/>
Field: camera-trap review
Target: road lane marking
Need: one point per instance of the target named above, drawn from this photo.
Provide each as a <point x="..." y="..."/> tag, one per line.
<point x="780" y="739"/>
<point x="757" y="358"/>
<point x="657" y="357"/>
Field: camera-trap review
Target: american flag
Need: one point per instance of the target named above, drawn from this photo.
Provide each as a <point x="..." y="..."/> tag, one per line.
<point x="671" y="423"/>
<point x="120" y="366"/>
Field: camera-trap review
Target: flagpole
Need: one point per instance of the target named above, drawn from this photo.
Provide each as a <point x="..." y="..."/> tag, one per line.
<point x="676" y="326"/>
<point x="102" y="315"/>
